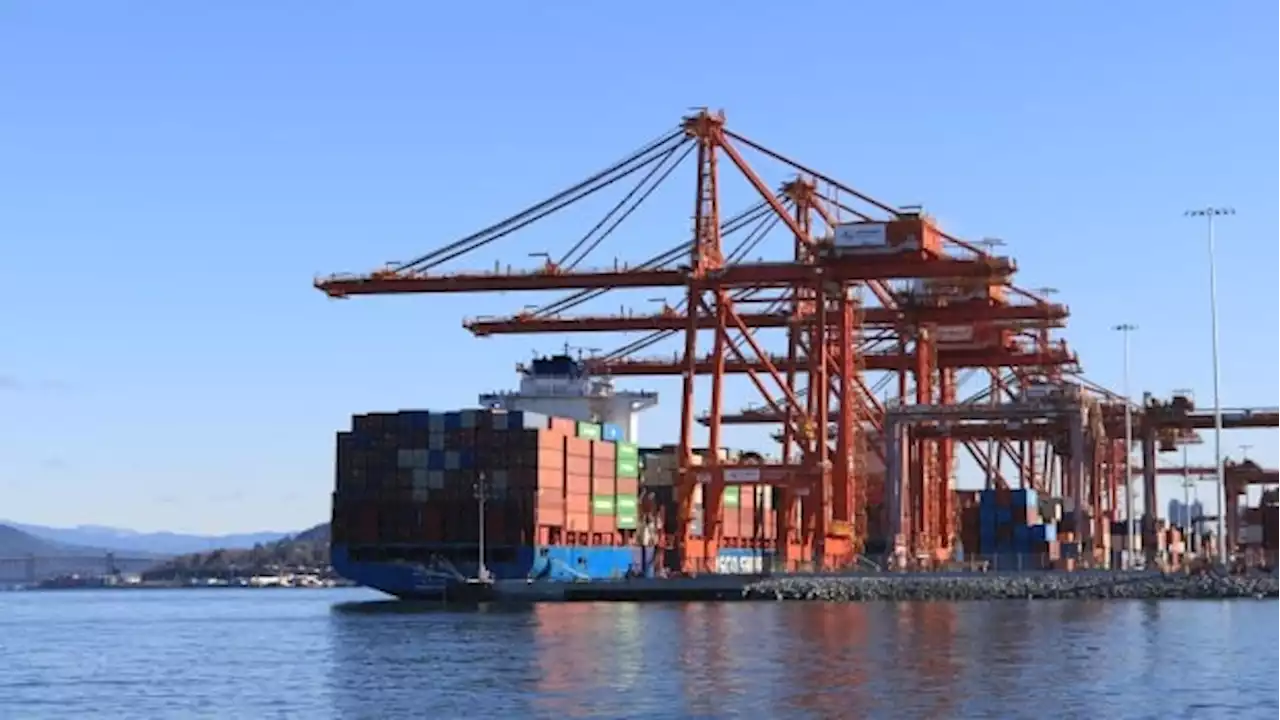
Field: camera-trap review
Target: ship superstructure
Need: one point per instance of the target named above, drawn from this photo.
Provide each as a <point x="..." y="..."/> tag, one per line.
<point x="562" y="386"/>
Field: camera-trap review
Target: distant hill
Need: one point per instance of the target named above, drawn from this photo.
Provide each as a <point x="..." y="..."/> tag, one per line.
<point x="155" y="543"/>
<point x="15" y="543"/>
<point x="53" y="558"/>
<point x="307" y="550"/>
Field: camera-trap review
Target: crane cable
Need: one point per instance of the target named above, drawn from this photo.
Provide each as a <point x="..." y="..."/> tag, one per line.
<point x="546" y="207"/>
<point x="671" y="255"/>
<point x="564" y="261"/>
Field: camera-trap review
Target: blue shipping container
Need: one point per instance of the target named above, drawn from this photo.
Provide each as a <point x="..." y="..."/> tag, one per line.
<point x="435" y="460"/>
<point x="987" y="516"/>
<point x="1025" y="498"/>
<point x="453" y="421"/>
<point x="1045" y="533"/>
<point x="611" y="432"/>
<point x="1021" y="537"/>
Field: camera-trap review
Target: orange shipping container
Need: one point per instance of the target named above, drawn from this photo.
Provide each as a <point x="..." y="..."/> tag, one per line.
<point x="551" y="478"/>
<point x="601" y="450"/>
<point x="574" y="465"/>
<point x="606" y="524"/>
<point x="577" y="483"/>
<point x="563" y="426"/>
<point x="576" y="447"/>
<point x="604" y="485"/>
<point x="578" y="522"/>
<point x="628" y="486"/>
<point x="575" y="503"/>
<point x="550" y="512"/>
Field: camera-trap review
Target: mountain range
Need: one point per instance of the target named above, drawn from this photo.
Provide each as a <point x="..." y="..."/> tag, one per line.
<point x="131" y="541"/>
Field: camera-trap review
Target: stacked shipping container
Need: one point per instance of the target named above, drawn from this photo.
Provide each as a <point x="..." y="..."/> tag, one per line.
<point x="747" y="511"/>
<point x="415" y="478"/>
<point x="1004" y="528"/>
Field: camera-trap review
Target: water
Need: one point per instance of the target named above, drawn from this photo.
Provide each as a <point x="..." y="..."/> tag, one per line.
<point x="343" y="654"/>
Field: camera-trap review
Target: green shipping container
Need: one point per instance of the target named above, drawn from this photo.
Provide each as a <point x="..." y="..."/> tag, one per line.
<point x="602" y="505"/>
<point x="732" y="497"/>
<point x="590" y="431"/>
<point x="626" y="504"/>
<point x="627" y="451"/>
<point x="627" y="522"/>
<point x="627" y="468"/>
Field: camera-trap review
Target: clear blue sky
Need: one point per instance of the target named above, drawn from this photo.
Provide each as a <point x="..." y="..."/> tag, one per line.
<point x="173" y="175"/>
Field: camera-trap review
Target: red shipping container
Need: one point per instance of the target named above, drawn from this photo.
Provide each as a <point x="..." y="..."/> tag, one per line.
<point x="628" y="486"/>
<point x="495" y="526"/>
<point x="433" y="524"/>
<point x="522" y="480"/>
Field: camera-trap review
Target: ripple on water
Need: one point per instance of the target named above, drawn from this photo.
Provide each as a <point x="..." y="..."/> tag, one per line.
<point x="342" y="654"/>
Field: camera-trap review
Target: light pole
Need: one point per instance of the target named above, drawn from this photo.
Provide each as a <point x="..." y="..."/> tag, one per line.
<point x="482" y="493"/>
<point x="1186" y="475"/>
<point x="1210" y="214"/>
<point x="1129" y="494"/>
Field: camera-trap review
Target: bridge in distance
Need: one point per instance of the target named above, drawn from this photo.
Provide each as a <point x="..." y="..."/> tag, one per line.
<point x="34" y="568"/>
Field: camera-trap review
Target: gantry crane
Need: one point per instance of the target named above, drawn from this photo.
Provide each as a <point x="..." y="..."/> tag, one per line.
<point x="942" y="305"/>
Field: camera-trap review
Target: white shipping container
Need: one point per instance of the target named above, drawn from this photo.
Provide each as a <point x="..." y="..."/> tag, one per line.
<point x="420" y="481"/>
<point x="435" y="423"/>
<point x="861" y="235"/>
<point x="435" y="441"/>
<point x="470" y="419"/>
<point x="435" y="479"/>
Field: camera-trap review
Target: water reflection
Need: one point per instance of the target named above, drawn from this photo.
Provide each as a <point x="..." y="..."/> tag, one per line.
<point x="915" y="660"/>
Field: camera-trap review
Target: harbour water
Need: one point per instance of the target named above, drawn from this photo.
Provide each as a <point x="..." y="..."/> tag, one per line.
<point x="347" y="654"/>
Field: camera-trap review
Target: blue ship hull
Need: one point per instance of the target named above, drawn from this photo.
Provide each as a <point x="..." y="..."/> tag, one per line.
<point x="440" y="572"/>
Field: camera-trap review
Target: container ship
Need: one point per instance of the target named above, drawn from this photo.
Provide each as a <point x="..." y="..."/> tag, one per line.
<point x="541" y="485"/>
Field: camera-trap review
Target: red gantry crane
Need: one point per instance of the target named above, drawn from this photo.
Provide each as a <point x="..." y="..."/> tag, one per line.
<point x="866" y="287"/>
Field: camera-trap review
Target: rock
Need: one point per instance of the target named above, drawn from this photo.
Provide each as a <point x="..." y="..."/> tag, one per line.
<point x="1095" y="585"/>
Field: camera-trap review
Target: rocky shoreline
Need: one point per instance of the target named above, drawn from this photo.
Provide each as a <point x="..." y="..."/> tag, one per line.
<point x="1038" y="586"/>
